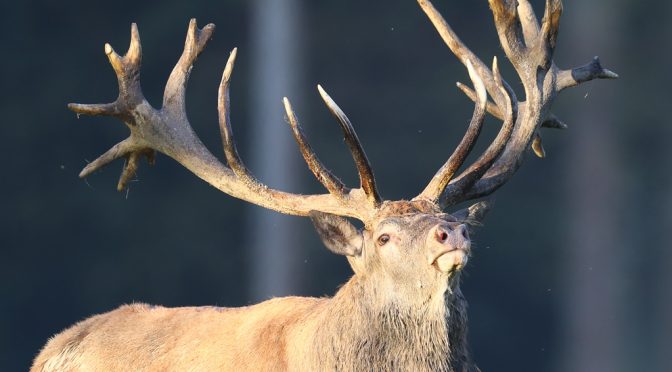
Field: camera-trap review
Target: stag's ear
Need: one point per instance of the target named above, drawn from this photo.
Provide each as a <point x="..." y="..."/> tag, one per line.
<point x="337" y="233"/>
<point x="474" y="215"/>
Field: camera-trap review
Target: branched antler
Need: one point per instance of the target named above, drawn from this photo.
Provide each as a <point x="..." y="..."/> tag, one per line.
<point x="530" y="48"/>
<point x="527" y="44"/>
<point x="168" y="130"/>
<point x="443" y="189"/>
<point x="127" y="69"/>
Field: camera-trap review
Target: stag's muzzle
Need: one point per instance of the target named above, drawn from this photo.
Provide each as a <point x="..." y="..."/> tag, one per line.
<point x="449" y="247"/>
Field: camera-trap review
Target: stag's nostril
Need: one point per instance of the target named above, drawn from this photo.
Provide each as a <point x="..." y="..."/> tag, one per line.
<point x="441" y="234"/>
<point x="464" y="231"/>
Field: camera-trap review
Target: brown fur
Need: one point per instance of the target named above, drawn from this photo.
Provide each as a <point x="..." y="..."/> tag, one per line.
<point x="349" y="332"/>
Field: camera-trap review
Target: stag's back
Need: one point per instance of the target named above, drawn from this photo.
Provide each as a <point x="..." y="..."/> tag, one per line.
<point x="140" y="337"/>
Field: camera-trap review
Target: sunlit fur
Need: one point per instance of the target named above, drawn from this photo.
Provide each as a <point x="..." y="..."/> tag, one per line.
<point x="366" y="335"/>
<point x="398" y="312"/>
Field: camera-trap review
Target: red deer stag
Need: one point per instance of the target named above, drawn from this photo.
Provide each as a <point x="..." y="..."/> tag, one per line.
<point x="402" y="309"/>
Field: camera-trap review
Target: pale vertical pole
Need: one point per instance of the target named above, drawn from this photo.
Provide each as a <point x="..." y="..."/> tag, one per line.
<point x="594" y="271"/>
<point x="273" y="243"/>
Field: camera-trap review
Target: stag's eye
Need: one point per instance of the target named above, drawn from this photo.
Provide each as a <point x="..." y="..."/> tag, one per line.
<point x="383" y="239"/>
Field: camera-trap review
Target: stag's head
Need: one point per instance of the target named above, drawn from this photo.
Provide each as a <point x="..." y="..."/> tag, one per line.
<point x="411" y="248"/>
<point x="412" y="245"/>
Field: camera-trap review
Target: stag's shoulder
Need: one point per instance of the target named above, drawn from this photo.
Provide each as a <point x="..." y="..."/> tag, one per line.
<point x="281" y="312"/>
<point x="275" y="334"/>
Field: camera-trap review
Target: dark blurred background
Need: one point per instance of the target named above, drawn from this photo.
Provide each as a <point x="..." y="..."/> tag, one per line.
<point x="571" y="271"/>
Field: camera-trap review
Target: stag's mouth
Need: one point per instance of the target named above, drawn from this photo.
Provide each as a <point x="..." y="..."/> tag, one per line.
<point x="451" y="260"/>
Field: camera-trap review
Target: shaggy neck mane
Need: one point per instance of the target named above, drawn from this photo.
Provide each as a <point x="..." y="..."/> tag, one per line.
<point x="360" y="332"/>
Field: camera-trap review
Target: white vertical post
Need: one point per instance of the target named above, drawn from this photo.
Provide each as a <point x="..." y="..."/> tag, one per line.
<point x="275" y="68"/>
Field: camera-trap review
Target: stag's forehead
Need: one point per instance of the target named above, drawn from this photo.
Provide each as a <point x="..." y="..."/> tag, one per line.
<point x="404" y="208"/>
<point x="402" y="213"/>
<point x="416" y="222"/>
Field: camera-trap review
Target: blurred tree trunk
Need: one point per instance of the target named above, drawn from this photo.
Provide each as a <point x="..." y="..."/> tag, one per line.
<point x="275" y="67"/>
<point x="595" y="302"/>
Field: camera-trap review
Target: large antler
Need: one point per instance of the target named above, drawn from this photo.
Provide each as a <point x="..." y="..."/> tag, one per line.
<point x="527" y="45"/>
<point x="167" y="130"/>
<point x="530" y="49"/>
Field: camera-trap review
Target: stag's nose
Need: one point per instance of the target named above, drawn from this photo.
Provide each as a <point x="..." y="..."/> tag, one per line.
<point x="443" y="233"/>
<point x="449" y="247"/>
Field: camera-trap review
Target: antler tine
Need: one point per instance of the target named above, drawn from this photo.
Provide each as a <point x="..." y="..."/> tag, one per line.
<point x="230" y="151"/>
<point x="528" y="20"/>
<point x="174" y="94"/>
<point x="456" y="190"/>
<point x="366" y="178"/>
<point x="509" y="28"/>
<point x="119" y="150"/>
<point x="326" y="178"/>
<point x="134" y="53"/>
<point x="538" y="146"/>
<point x="439" y="182"/>
<point x="549" y="30"/>
<point x="127" y="70"/>
<point x="554" y="122"/>
<point x="461" y="51"/>
<point x="96" y="109"/>
<point x="130" y="169"/>
<point x="474" y="213"/>
<point x="588" y="72"/>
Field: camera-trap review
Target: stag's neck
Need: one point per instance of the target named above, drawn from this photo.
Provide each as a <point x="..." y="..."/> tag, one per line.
<point x="361" y="331"/>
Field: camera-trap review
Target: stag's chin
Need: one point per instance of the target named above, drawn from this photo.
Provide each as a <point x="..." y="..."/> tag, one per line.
<point x="451" y="261"/>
